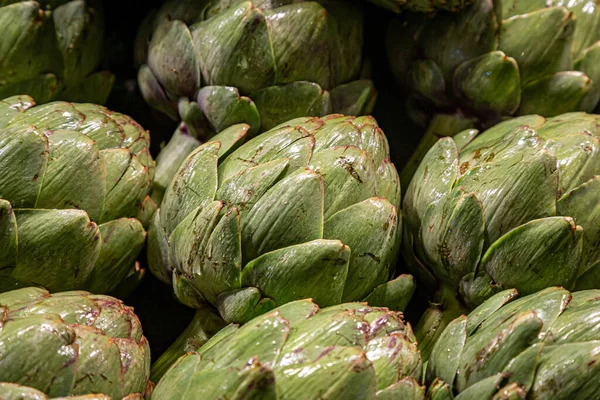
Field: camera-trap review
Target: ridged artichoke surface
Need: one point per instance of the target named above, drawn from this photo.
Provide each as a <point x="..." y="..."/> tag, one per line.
<point x="52" y="49"/>
<point x="513" y="207"/>
<point x="216" y="63"/>
<point x="308" y="209"/>
<point x="500" y="58"/>
<point x="542" y="346"/>
<point x="74" y="180"/>
<point x="70" y="343"/>
<point x="298" y="351"/>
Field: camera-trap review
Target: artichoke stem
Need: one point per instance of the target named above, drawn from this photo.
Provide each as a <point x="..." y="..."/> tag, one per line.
<point x="445" y="308"/>
<point x="203" y="326"/>
<point x="441" y="125"/>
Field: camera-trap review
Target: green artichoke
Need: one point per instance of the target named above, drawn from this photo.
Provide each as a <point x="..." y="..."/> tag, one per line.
<point x="74" y="180"/>
<point x="307" y="209"/>
<point x="261" y="63"/>
<point x="348" y="351"/>
<point x="513" y="207"/>
<point x="422" y="5"/>
<point x="51" y="49"/>
<point x="70" y="343"/>
<point x="542" y="346"/>
<point x="494" y="60"/>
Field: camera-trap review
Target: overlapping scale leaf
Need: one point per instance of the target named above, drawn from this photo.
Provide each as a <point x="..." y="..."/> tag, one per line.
<point x="543" y="345"/>
<point x="349" y="350"/>
<point x="67" y="169"/>
<point x="72" y="345"/>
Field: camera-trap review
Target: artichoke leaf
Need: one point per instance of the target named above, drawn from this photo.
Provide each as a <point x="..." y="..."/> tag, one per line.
<point x="369" y="228"/>
<point x="289" y="213"/>
<point x="336" y="373"/>
<point x="447" y="352"/>
<point x="316" y="269"/>
<point x="452" y="233"/>
<point x="291" y="100"/>
<point x="223" y="107"/>
<point x="194" y="185"/>
<point x="541" y="253"/>
<point x="76" y="252"/>
<point x="122" y="241"/>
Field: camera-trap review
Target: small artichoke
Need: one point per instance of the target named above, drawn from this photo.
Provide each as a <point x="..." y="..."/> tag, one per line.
<point x="307" y="209"/>
<point x="74" y="180"/>
<point x="70" y="343"/>
<point x="298" y="351"/>
<point x="513" y="207"/>
<point x="216" y="63"/>
<point x="542" y="346"/>
<point x="52" y="50"/>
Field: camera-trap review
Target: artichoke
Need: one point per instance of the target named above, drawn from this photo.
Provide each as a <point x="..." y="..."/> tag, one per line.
<point x="542" y="346"/>
<point x="216" y="63"/>
<point x="52" y="50"/>
<point x="513" y="207"/>
<point x="261" y="62"/>
<point x="74" y="180"/>
<point x="494" y="60"/>
<point x="307" y="209"/>
<point x="348" y="351"/>
<point x="70" y="343"/>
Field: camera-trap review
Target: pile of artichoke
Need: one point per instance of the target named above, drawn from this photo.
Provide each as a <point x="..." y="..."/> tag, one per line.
<point x="275" y="214"/>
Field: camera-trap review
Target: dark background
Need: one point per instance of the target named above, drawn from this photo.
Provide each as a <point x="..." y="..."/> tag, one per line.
<point x="162" y="317"/>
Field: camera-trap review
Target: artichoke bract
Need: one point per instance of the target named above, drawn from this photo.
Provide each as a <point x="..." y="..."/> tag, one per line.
<point x="542" y="346"/>
<point x="496" y="59"/>
<point x="307" y="209"/>
<point x="70" y="343"/>
<point x="348" y="351"/>
<point x="74" y="180"/>
<point x="52" y="50"/>
<point x="513" y="207"/>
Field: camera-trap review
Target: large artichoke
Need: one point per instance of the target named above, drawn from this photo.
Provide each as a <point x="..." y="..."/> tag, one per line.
<point x="51" y="49"/>
<point x="513" y="207"/>
<point x="74" y="180"/>
<point x="496" y="59"/>
<point x="542" y="346"/>
<point x="70" y="343"/>
<point x="348" y="351"/>
<point x="261" y="62"/>
<point x="308" y="209"/>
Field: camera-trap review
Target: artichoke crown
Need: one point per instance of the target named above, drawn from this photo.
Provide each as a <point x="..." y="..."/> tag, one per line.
<point x="543" y="346"/>
<point x="308" y="209"/>
<point x="515" y="206"/>
<point x="348" y="351"/>
<point x="70" y="343"/>
<point x="73" y="188"/>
